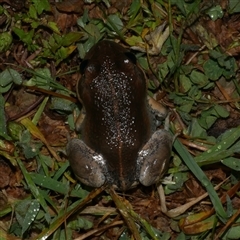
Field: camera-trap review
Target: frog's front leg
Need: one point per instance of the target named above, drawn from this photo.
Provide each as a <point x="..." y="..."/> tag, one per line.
<point x="80" y="119"/>
<point x="155" y="155"/>
<point x="157" y="108"/>
<point x="87" y="165"/>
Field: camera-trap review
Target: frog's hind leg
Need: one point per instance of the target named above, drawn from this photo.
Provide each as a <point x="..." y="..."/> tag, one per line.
<point x="155" y="155"/>
<point x="87" y="165"/>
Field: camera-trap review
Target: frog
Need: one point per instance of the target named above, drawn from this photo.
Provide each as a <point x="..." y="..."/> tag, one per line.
<point x="120" y="144"/>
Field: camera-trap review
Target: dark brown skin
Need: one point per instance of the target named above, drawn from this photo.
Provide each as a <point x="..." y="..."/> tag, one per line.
<point x="118" y="123"/>
<point x="108" y="98"/>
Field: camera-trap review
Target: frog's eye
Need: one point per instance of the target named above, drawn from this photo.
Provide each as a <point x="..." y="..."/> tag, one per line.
<point x="83" y="66"/>
<point x="131" y="57"/>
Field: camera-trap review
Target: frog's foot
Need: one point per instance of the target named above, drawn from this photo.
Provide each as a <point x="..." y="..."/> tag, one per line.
<point x="87" y="165"/>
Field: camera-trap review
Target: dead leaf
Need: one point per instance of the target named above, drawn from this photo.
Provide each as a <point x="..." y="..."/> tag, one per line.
<point x="71" y="6"/>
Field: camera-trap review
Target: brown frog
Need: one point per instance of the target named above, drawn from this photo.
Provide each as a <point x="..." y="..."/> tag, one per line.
<point x="120" y="144"/>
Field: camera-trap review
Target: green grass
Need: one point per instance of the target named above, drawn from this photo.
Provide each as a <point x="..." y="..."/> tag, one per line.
<point x="198" y="82"/>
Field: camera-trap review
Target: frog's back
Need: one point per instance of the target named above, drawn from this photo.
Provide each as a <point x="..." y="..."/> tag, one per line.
<point x="117" y="123"/>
